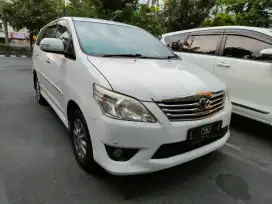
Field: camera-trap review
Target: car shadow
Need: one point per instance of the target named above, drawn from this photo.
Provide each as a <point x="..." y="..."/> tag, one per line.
<point x="132" y="187"/>
<point x="252" y="128"/>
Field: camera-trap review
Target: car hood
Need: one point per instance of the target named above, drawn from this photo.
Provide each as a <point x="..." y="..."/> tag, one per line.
<point x="147" y="79"/>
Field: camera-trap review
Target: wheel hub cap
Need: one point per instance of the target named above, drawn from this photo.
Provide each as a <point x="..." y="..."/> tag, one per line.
<point x="38" y="91"/>
<point x="79" y="137"/>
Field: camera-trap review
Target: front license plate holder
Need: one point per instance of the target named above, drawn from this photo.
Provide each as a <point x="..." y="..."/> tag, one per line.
<point x="204" y="133"/>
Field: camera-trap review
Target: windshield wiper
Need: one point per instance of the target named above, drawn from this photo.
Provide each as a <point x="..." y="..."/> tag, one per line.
<point x="122" y="55"/>
<point x="175" y="56"/>
<point x="137" y="55"/>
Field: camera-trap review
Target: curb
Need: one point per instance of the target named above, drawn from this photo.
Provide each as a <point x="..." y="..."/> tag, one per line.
<point x="13" y="56"/>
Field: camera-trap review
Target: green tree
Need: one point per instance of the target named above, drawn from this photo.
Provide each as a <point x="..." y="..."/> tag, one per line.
<point x="149" y="18"/>
<point x="107" y="9"/>
<point x="186" y="14"/>
<point x="220" y="19"/>
<point x="32" y="14"/>
<point x="81" y="8"/>
<point x="249" y="12"/>
<point x="5" y="13"/>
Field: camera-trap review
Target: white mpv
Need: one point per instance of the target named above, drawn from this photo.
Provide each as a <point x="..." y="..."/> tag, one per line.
<point x="131" y="105"/>
<point x="240" y="56"/>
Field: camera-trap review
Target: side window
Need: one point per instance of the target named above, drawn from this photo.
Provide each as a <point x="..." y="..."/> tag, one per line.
<point x="175" y="42"/>
<point x="187" y="44"/>
<point x="244" y="48"/>
<point x="205" y="44"/>
<point x="40" y="36"/>
<point x="63" y="33"/>
<point x="50" y="31"/>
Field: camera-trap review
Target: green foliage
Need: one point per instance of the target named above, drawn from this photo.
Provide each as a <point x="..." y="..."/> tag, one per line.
<point x="107" y="9"/>
<point x="186" y="14"/>
<point x="149" y="18"/>
<point x="220" y="19"/>
<point x="249" y="12"/>
<point x="5" y="13"/>
<point x="81" y="8"/>
<point x="8" y="50"/>
<point x="126" y="11"/>
<point x="32" y="14"/>
<point x="5" y="10"/>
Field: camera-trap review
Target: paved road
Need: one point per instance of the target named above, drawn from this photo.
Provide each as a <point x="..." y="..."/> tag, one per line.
<point x="37" y="163"/>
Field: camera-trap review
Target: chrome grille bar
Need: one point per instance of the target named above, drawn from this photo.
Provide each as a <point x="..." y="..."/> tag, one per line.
<point x="188" y="108"/>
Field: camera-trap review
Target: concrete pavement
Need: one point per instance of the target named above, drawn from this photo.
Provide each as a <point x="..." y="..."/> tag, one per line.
<point x="37" y="164"/>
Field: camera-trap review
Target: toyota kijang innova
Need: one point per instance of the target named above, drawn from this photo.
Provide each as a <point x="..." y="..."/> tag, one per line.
<point x="131" y="105"/>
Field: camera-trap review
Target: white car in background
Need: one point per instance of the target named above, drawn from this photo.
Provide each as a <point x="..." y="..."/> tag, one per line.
<point x="130" y="103"/>
<point x="240" y="56"/>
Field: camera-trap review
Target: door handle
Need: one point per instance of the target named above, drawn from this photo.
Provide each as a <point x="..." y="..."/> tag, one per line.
<point x="48" y="61"/>
<point x="223" y="64"/>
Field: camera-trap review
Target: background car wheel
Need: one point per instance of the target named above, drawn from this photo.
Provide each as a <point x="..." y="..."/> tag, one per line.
<point x="41" y="100"/>
<point x="82" y="144"/>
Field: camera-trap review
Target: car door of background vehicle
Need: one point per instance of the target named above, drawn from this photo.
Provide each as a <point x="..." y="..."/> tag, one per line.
<point x="247" y="74"/>
<point x="200" y="48"/>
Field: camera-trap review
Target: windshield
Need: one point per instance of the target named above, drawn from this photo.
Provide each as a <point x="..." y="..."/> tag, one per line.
<point x="108" y="39"/>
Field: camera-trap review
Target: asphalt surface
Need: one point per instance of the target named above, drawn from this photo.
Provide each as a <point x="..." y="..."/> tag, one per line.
<point x="37" y="164"/>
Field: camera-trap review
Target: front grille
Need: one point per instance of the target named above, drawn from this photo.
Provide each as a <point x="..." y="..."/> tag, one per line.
<point x="174" y="149"/>
<point x="189" y="108"/>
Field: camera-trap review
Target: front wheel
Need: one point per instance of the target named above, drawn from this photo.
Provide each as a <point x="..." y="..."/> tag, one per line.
<point x="41" y="100"/>
<point x="82" y="144"/>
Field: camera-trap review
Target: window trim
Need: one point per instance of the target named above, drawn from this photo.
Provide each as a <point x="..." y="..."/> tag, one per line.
<point x="221" y="54"/>
<point x="208" y="32"/>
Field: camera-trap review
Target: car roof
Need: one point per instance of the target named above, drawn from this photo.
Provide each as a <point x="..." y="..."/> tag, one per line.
<point x="261" y="30"/>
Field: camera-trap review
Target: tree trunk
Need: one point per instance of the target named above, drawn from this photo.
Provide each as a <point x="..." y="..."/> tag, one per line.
<point x="30" y="39"/>
<point x="6" y="32"/>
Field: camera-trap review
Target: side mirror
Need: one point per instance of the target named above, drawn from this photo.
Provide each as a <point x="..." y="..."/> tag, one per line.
<point x="266" y="52"/>
<point x="53" y="45"/>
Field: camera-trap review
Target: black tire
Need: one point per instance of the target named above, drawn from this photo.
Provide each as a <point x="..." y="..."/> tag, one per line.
<point x="41" y="100"/>
<point x="87" y="161"/>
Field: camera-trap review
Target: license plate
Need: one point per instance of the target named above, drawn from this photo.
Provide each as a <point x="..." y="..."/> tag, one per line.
<point x="204" y="132"/>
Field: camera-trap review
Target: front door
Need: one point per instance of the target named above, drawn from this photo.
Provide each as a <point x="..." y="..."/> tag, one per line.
<point x="247" y="75"/>
<point x="58" y="63"/>
<point x="49" y="71"/>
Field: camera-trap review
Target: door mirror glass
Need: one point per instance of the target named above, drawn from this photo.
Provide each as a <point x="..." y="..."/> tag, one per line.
<point x="266" y="52"/>
<point x="53" y="45"/>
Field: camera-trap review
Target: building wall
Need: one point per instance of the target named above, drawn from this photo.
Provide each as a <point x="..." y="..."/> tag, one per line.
<point x="10" y="29"/>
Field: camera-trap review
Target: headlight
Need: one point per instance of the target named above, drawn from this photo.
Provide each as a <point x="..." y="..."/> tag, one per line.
<point x="121" y="107"/>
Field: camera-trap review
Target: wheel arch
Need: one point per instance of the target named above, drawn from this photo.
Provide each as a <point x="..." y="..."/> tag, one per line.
<point x="72" y="106"/>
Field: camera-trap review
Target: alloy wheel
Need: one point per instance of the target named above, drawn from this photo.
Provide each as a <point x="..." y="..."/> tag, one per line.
<point x="79" y="137"/>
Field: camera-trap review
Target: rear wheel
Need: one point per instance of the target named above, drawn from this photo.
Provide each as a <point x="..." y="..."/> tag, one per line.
<point x="82" y="144"/>
<point x="41" y="100"/>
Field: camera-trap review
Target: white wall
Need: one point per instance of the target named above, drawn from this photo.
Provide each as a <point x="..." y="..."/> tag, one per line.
<point x="10" y="29"/>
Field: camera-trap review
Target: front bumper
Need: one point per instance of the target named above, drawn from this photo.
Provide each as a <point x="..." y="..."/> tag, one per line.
<point x="148" y="137"/>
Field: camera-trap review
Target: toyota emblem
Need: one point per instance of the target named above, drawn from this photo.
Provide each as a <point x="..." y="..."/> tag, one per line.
<point x="204" y="103"/>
